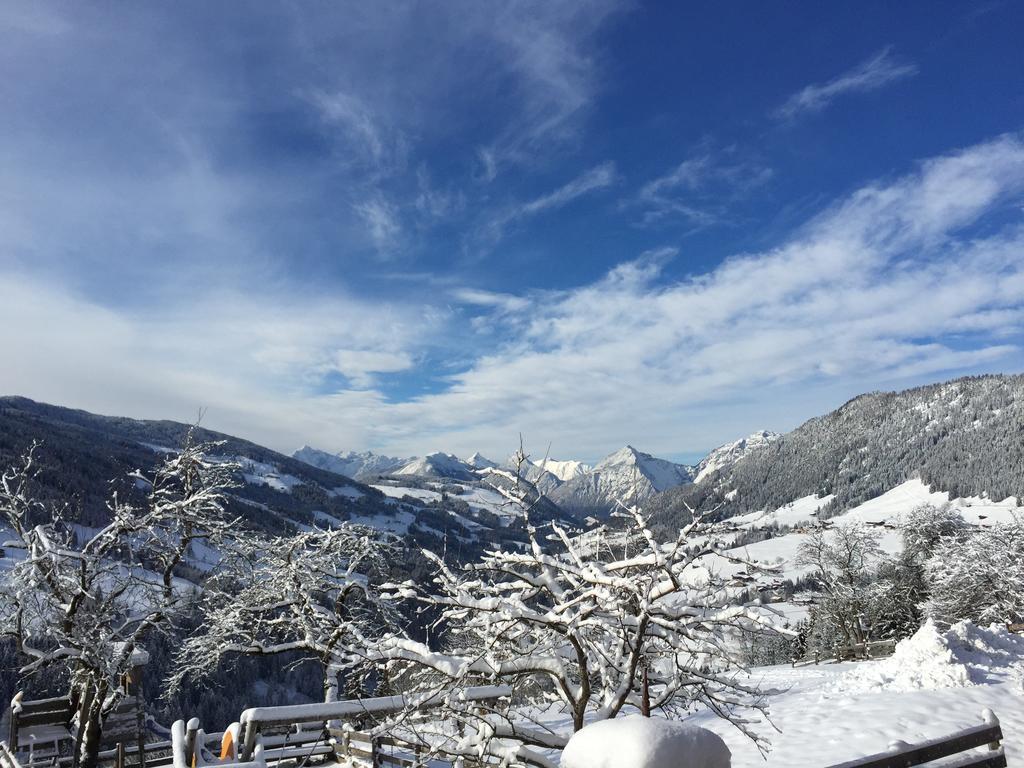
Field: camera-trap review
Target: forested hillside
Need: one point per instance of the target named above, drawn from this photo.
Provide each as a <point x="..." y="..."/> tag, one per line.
<point x="965" y="436"/>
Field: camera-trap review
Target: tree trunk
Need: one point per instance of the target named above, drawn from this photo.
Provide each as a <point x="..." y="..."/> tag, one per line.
<point x="91" y="726"/>
<point x="645" y="695"/>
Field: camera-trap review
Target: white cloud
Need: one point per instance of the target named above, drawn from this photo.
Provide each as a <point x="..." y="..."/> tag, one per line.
<point x="256" y="361"/>
<point x="363" y="138"/>
<point x="481" y="298"/>
<point x="870" y="75"/>
<point x="879" y="288"/>
<point x="549" y="49"/>
<point x="599" y="177"/>
<point x="883" y="286"/>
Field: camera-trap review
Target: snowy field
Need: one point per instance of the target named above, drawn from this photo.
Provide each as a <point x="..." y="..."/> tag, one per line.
<point x="885" y="511"/>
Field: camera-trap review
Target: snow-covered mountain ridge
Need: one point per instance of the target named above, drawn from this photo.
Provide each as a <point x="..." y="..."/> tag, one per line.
<point x="358" y="465"/>
<point x="964" y="437"/>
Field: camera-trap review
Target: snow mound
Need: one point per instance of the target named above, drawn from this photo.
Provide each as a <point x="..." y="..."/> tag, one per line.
<point x="645" y="742"/>
<point x="964" y="655"/>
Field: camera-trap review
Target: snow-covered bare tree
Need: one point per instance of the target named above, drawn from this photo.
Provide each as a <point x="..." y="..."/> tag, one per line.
<point x="843" y="560"/>
<point x="311" y="594"/>
<point x="978" y="575"/>
<point x="86" y="606"/>
<point x="567" y="625"/>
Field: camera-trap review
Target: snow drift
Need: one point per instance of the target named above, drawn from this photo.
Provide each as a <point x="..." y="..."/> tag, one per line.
<point x="962" y="656"/>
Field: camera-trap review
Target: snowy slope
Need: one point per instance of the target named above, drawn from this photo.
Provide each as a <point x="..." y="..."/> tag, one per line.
<point x="726" y="455"/>
<point x="936" y="684"/>
<point x="620" y="476"/>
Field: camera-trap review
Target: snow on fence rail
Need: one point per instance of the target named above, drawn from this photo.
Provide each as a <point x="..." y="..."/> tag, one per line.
<point x="872" y="649"/>
<point x="900" y="754"/>
<point x="7" y="757"/>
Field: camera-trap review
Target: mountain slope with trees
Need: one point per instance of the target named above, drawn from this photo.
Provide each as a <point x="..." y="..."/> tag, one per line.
<point x="965" y="436"/>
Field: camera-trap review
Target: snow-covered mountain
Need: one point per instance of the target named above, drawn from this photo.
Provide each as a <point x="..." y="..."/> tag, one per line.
<point x="726" y="455"/>
<point x="564" y="470"/>
<point x="438" y="465"/>
<point x="354" y="464"/>
<point x="618" y="477"/>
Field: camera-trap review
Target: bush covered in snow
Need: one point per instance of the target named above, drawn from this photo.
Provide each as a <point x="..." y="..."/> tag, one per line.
<point x="645" y="742"/>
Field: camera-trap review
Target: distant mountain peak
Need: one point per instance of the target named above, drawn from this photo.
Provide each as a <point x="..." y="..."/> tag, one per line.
<point x="624" y="475"/>
<point x="479" y="461"/>
<point x="438" y="464"/>
<point x="724" y="456"/>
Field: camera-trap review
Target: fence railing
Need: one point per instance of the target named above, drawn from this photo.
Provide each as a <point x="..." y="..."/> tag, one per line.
<point x="901" y="755"/>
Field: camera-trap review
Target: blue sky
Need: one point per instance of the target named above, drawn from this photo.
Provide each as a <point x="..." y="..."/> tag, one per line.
<point x="417" y="226"/>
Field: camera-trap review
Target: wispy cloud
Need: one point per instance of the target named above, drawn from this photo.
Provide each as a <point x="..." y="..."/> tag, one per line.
<point x="506" y="302"/>
<point x="363" y="138"/>
<point x="870" y="75"/>
<point x="497" y="223"/>
<point x="890" y="283"/>
<point x="549" y="48"/>
<point x="701" y="188"/>
<point x="599" y="177"/>
<point x="382" y="223"/>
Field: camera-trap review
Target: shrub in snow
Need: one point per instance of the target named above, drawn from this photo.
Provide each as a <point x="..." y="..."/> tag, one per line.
<point x="645" y="742"/>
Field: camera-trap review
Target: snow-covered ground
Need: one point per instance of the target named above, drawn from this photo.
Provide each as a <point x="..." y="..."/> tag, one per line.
<point x="934" y="685"/>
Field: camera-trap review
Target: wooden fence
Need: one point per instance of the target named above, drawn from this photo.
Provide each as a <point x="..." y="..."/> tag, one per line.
<point x="901" y="755"/>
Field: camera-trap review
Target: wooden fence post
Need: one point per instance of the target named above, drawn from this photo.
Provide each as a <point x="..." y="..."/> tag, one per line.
<point x="191" y="731"/>
<point x="13" y="740"/>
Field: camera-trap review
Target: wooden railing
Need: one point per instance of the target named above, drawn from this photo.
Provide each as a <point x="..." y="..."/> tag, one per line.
<point x="275" y="735"/>
<point x="901" y="755"/>
<point x="872" y="649"/>
<point x="7" y="758"/>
